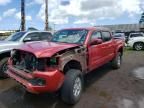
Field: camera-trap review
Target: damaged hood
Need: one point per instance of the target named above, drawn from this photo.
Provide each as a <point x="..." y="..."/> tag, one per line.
<point x="45" y="49"/>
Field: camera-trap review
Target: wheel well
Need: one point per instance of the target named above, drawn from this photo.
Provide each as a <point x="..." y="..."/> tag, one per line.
<point x="138" y="42"/>
<point x="73" y="64"/>
<point x="121" y="50"/>
<point x="5" y="54"/>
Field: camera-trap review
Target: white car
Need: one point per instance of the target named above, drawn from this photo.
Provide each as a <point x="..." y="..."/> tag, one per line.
<point x="133" y="35"/>
<point x="137" y="43"/>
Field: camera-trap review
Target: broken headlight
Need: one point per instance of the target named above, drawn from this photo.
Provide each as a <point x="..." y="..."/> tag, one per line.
<point x="53" y="61"/>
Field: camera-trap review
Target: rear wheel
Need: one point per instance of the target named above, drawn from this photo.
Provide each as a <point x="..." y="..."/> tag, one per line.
<point x="3" y="67"/>
<point x="138" y="46"/>
<point x="116" y="62"/>
<point x="72" y="87"/>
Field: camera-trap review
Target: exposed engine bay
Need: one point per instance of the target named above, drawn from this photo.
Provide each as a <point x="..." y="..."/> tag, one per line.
<point x="28" y="62"/>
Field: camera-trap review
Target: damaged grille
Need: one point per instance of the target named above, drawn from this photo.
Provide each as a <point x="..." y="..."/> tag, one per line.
<point x="28" y="62"/>
<point x="24" y="61"/>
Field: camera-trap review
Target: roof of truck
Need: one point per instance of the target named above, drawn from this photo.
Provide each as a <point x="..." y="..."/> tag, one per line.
<point x="89" y="28"/>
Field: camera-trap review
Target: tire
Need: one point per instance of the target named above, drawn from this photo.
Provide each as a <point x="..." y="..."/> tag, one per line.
<point x="3" y="67"/>
<point x="116" y="62"/>
<point x="72" y="87"/>
<point x="138" y="46"/>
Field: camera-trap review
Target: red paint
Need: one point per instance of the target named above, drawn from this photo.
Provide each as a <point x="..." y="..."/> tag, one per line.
<point x="45" y="49"/>
<point x="53" y="78"/>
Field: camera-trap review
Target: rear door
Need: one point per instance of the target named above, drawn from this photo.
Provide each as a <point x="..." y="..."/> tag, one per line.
<point x="108" y="46"/>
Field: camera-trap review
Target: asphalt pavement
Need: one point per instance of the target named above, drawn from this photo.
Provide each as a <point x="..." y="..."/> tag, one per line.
<point x="104" y="88"/>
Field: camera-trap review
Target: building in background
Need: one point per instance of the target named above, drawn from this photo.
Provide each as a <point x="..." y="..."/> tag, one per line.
<point x="125" y="27"/>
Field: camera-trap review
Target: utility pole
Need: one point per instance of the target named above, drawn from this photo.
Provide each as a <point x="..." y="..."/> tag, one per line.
<point x="22" y="15"/>
<point x="46" y="16"/>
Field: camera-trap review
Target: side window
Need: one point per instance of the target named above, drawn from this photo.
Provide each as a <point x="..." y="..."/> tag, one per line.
<point x="45" y="36"/>
<point x="96" y="35"/>
<point x="32" y="37"/>
<point x="106" y="36"/>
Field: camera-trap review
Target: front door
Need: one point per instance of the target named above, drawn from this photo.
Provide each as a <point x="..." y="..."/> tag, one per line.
<point x="95" y="52"/>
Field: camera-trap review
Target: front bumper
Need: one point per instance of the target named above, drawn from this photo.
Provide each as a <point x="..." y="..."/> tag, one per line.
<point x="54" y="79"/>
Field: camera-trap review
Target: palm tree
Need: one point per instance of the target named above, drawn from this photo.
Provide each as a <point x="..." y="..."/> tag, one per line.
<point x="22" y="15"/>
<point x="46" y="15"/>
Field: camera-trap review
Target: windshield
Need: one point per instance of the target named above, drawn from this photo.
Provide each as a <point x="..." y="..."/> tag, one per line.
<point x="15" y="37"/>
<point x="70" y="36"/>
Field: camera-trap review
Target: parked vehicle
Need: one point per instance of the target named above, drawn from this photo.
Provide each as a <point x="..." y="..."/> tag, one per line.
<point x="61" y="64"/>
<point x="120" y="36"/>
<point x="137" y="43"/>
<point x="16" y="40"/>
<point x="133" y="35"/>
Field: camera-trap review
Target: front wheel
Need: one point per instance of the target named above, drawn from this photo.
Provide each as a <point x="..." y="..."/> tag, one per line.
<point x="138" y="46"/>
<point x="116" y="62"/>
<point x="3" y="67"/>
<point x="72" y="87"/>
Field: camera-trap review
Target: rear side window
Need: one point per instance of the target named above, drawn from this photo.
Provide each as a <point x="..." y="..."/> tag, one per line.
<point x="106" y="36"/>
<point x="45" y="36"/>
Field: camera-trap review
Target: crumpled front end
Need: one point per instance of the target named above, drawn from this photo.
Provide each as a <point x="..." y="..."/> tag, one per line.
<point x="37" y="75"/>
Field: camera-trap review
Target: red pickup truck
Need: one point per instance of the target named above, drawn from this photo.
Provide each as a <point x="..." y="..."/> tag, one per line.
<point x="61" y="64"/>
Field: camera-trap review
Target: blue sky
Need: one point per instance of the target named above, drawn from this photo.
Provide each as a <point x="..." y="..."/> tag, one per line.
<point x="70" y="13"/>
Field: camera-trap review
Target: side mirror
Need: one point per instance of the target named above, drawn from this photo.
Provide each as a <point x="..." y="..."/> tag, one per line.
<point x="27" y="40"/>
<point x="96" y="41"/>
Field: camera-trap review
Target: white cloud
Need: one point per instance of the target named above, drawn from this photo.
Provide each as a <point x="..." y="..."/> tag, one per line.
<point x="53" y="18"/>
<point x="28" y="18"/>
<point x="33" y="2"/>
<point x="89" y="11"/>
<point x="18" y="16"/>
<point x="4" y="2"/>
<point x="9" y="12"/>
<point x="39" y="1"/>
<point x="81" y="21"/>
<point x="59" y="20"/>
<point x="41" y="13"/>
<point x="131" y="6"/>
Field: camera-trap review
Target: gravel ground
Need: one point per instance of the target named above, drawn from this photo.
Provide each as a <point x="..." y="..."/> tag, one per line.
<point x="104" y="88"/>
